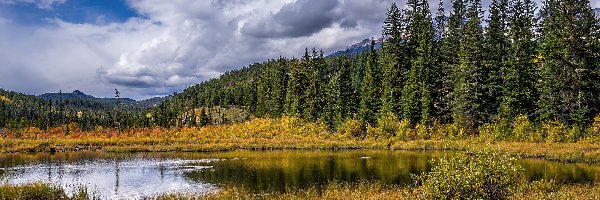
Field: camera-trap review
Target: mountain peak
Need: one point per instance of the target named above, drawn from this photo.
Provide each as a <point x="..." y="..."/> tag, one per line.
<point x="357" y="48"/>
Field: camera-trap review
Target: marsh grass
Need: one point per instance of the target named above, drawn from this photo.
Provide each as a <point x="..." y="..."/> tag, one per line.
<point x="45" y="191"/>
<point x="332" y="191"/>
<point x="521" y="137"/>
<point x="376" y="190"/>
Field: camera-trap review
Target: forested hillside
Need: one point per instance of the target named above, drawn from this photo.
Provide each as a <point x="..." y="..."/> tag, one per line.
<point x="19" y="111"/>
<point x="442" y="69"/>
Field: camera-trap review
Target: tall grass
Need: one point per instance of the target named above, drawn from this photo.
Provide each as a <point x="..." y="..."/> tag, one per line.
<point x="43" y="191"/>
<point x="550" y="140"/>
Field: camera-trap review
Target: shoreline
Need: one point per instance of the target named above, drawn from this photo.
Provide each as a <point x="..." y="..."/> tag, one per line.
<point x="558" y="152"/>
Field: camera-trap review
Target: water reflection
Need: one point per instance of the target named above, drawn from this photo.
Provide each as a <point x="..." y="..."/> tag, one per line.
<point x="298" y="169"/>
<point x="561" y="172"/>
<point x="118" y="178"/>
<point x="134" y="175"/>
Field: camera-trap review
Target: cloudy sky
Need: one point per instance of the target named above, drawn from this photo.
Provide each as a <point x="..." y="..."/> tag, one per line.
<point x="148" y="48"/>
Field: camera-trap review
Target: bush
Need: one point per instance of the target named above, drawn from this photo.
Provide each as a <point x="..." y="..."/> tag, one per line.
<point x="523" y="128"/>
<point x="575" y="134"/>
<point x="349" y="129"/>
<point x="595" y="128"/>
<point x="487" y="174"/>
<point x="389" y="123"/>
<point x="376" y="134"/>
<point x="498" y="130"/>
<point x="554" y="131"/>
<point x="423" y="131"/>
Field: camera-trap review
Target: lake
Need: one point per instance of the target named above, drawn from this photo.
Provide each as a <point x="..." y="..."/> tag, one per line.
<point x="136" y="175"/>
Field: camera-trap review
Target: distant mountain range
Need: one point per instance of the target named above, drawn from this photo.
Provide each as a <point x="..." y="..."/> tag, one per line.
<point x="77" y="95"/>
<point x="105" y="103"/>
<point x="357" y="48"/>
<point x="597" y="11"/>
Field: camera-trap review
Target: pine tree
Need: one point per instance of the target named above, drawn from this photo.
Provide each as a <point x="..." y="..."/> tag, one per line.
<point x="467" y="91"/>
<point x="314" y="92"/>
<point x="519" y="92"/>
<point x="568" y="62"/>
<point x="263" y="92"/>
<point x="424" y="63"/>
<point x="496" y="50"/>
<point x="296" y="85"/>
<point x="343" y="91"/>
<point x="371" y="89"/>
<point x="331" y="99"/>
<point x="392" y="60"/>
<point x="588" y="74"/>
<point x="417" y="98"/>
<point x="280" y="78"/>
<point x="451" y="44"/>
<point x="441" y="71"/>
<point x="271" y="88"/>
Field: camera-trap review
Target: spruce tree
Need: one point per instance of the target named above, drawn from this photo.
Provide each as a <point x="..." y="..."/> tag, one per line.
<point x="451" y="44"/>
<point x="316" y="81"/>
<point x="496" y="50"/>
<point x="392" y="60"/>
<point x="296" y="86"/>
<point x="371" y="89"/>
<point x="263" y="92"/>
<point x="343" y="86"/>
<point x="279" y="80"/>
<point x="519" y="92"/>
<point x="466" y="102"/>
<point x="441" y="71"/>
<point x="417" y="98"/>
<point x="568" y="62"/>
<point x="424" y="63"/>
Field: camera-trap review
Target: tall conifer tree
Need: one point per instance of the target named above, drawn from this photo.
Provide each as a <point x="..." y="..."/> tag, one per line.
<point x="496" y="50"/>
<point x="371" y="88"/>
<point x="392" y="60"/>
<point x="519" y="93"/>
<point x="466" y="102"/>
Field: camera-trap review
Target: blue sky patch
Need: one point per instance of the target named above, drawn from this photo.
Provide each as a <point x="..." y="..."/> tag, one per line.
<point x="75" y="11"/>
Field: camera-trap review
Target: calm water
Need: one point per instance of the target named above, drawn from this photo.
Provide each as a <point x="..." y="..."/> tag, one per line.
<point x="135" y="175"/>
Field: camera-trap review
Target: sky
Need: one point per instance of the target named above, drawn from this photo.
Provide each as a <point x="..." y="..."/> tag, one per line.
<point x="148" y="48"/>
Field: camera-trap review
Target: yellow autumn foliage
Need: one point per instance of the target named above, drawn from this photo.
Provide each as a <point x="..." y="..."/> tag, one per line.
<point x="6" y="99"/>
